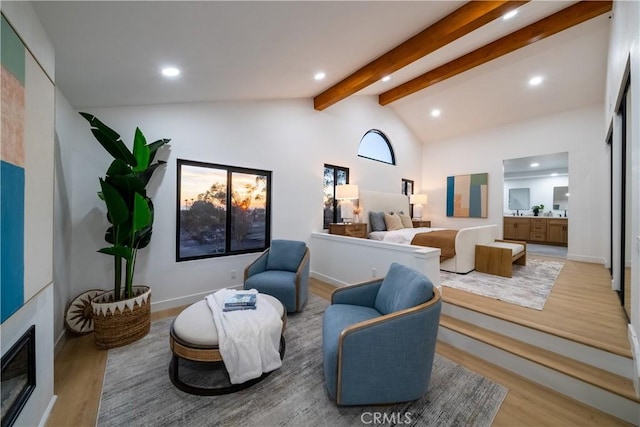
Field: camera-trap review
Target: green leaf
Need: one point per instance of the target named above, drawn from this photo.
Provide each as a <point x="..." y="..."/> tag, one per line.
<point x="118" y="167"/>
<point x="127" y="186"/>
<point x="116" y="205"/>
<point x="146" y="175"/>
<point x="110" y="140"/>
<point x="154" y="146"/>
<point x="141" y="213"/>
<point x="119" y="251"/>
<point x="143" y="238"/>
<point x="140" y="152"/>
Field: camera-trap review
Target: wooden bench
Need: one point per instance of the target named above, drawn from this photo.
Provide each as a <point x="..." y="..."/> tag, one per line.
<point x="498" y="257"/>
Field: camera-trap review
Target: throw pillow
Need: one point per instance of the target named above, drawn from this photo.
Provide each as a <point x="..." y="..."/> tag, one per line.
<point x="393" y="221"/>
<point x="406" y="221"/>
<point x="376" y="220"/>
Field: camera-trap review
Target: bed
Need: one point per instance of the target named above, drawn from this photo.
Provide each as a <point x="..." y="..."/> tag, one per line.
<point x="459" y="259"/>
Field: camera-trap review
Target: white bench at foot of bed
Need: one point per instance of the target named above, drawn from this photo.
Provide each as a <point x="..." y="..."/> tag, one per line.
<point x="340" y="260"/>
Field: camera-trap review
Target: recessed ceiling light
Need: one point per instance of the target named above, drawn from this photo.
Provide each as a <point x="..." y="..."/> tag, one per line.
<point x="535" y="81"/>
<point x="319" y="75"/>
<point x="386" y="78"/>
<point x="435" y="113"/>
<point x="535" y="165"/>
<point x="170" y="72"/>
<point x="510" y="14"/>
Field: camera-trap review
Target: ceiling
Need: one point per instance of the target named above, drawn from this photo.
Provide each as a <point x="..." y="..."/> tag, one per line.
<point x="109" y="54"/>
<point x="536" y="166"/>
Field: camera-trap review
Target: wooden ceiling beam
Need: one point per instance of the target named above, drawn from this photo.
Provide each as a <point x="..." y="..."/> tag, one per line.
<point x="560" y="21"/>
<point x="462" y="21"/>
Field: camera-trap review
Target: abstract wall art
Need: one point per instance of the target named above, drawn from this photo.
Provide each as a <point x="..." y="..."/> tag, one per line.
<point x="467" y="196"/>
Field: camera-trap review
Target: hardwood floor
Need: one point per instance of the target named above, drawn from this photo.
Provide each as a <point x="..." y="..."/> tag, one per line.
<point x="581" y="306"/>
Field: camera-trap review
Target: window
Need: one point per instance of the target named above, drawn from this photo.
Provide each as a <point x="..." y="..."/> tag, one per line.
<point x="375" y="145"/>
<point x="222" y="210"/>
<point x="333" y="175"/>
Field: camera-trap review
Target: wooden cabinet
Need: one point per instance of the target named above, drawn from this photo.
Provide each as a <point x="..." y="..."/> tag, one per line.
<point x="516" y="228"/>
<point x="557" y="230"/>
<point x="418" y="223"/>
<point x="355" y="229"/>
<point x="536" y="230"/>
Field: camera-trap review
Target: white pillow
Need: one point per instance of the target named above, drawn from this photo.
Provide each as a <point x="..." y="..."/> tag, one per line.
<point x="393" y="221"/>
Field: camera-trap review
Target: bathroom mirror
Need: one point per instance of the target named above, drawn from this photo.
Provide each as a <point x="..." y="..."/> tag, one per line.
<point x="519" y="199"/>
<point x="561" y="198"/>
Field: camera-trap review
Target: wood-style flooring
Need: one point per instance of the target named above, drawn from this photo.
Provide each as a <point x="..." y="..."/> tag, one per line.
<point x="581" y="306"/>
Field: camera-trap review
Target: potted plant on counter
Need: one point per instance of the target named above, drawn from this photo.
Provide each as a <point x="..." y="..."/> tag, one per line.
<point x="122" y="316"/>
<point x="537" y="209"/>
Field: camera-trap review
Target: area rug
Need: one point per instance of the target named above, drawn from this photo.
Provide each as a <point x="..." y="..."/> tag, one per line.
<point x="137" y="390"/>
<point x="529" y="287"/>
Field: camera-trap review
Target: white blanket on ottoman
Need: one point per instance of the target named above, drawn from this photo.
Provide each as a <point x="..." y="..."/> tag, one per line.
<point x="248" y="340"/>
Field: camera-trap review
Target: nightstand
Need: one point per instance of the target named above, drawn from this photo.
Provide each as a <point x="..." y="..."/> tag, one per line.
<point x="351" y="229"/>
<point x="420" y="223"/>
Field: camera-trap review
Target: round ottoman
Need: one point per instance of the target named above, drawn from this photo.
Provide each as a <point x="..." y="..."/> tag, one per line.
<point x="193" y="340"/>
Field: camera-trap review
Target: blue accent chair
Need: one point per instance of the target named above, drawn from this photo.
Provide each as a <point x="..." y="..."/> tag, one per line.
<point x="282" y="271"/>
<point x="379" y="339"/>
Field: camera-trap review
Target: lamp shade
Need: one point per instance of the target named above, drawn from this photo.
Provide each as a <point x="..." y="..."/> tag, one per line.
<point x="418" y="199"/>
<point x="346" y="191"/>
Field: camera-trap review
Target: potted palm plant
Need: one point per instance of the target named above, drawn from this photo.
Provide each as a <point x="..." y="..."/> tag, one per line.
<point x="122" y="315"/>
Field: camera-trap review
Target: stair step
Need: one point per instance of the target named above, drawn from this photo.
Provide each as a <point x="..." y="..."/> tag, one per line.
<point x="581" y="371"/>
<point x="623" y="352"/>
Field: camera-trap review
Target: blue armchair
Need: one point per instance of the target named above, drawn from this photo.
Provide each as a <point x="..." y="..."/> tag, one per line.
<point x="281" y="271"/>
<point x="379" y="339"/>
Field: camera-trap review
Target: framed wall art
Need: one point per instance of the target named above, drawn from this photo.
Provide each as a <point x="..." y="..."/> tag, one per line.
<point x="467" y="196"/>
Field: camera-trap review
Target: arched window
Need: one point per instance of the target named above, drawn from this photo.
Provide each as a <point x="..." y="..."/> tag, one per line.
<point x="375" y="145"/>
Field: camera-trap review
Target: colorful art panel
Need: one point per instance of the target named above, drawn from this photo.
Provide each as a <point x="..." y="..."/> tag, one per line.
<point x="12" y="172"/>
<point x="467" y="196"/>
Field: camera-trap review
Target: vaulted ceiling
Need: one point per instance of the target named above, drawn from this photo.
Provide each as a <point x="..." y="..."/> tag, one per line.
<point x="461" y="58"/>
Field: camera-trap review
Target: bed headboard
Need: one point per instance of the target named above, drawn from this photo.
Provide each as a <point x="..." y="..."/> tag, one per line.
<point x="377" y="201"/>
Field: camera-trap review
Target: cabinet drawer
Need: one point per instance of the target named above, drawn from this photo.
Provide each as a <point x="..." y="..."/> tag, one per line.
<point x="351" y="229"/>
<point x="538" y="237"/>
<point x="538" y="226"/>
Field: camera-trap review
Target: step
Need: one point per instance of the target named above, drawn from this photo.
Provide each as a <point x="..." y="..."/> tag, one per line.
<point x="615" y="360"/>
<point x="601" y="389"/>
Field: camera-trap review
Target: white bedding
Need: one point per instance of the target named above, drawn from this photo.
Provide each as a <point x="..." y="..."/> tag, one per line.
<point x="403" y="236"/>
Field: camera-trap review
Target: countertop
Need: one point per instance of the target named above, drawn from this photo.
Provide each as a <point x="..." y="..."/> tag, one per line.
<point x="533" y="216"/>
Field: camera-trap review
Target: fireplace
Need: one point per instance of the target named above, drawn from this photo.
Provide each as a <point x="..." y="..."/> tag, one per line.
<point x="18" y="376"/>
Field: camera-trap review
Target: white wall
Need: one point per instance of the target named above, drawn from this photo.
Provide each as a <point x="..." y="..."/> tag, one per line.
<point x="287" y="137"/>
<point x="625" y="45"/>
<point x="579" y="132"/>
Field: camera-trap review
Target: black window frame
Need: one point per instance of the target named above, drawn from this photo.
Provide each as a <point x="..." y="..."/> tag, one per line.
<point x="335" y="203"/>
<point x="230" y="170"/>
<point x="385" y="138"/>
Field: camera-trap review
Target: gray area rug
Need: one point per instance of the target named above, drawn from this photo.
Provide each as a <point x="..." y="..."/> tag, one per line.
<point x="137" y="390"/>
<point x="529" y="287"/>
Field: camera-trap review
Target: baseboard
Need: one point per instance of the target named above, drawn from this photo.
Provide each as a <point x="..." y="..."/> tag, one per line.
<point x="47" y="412"/>
<point x="60" y="342"/>
<point x="635" y="350"/>
<point x="584" y="258"/>
<point x="327" y="279"/>
<point x="184" y="300"/>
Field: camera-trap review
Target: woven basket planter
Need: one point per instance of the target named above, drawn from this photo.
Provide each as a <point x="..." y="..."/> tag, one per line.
<point x="120" y="323"/>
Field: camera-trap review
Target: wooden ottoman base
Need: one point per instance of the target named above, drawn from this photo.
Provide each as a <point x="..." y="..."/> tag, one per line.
<point x="212" y="357"/>
<point x="193" y="340"/>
